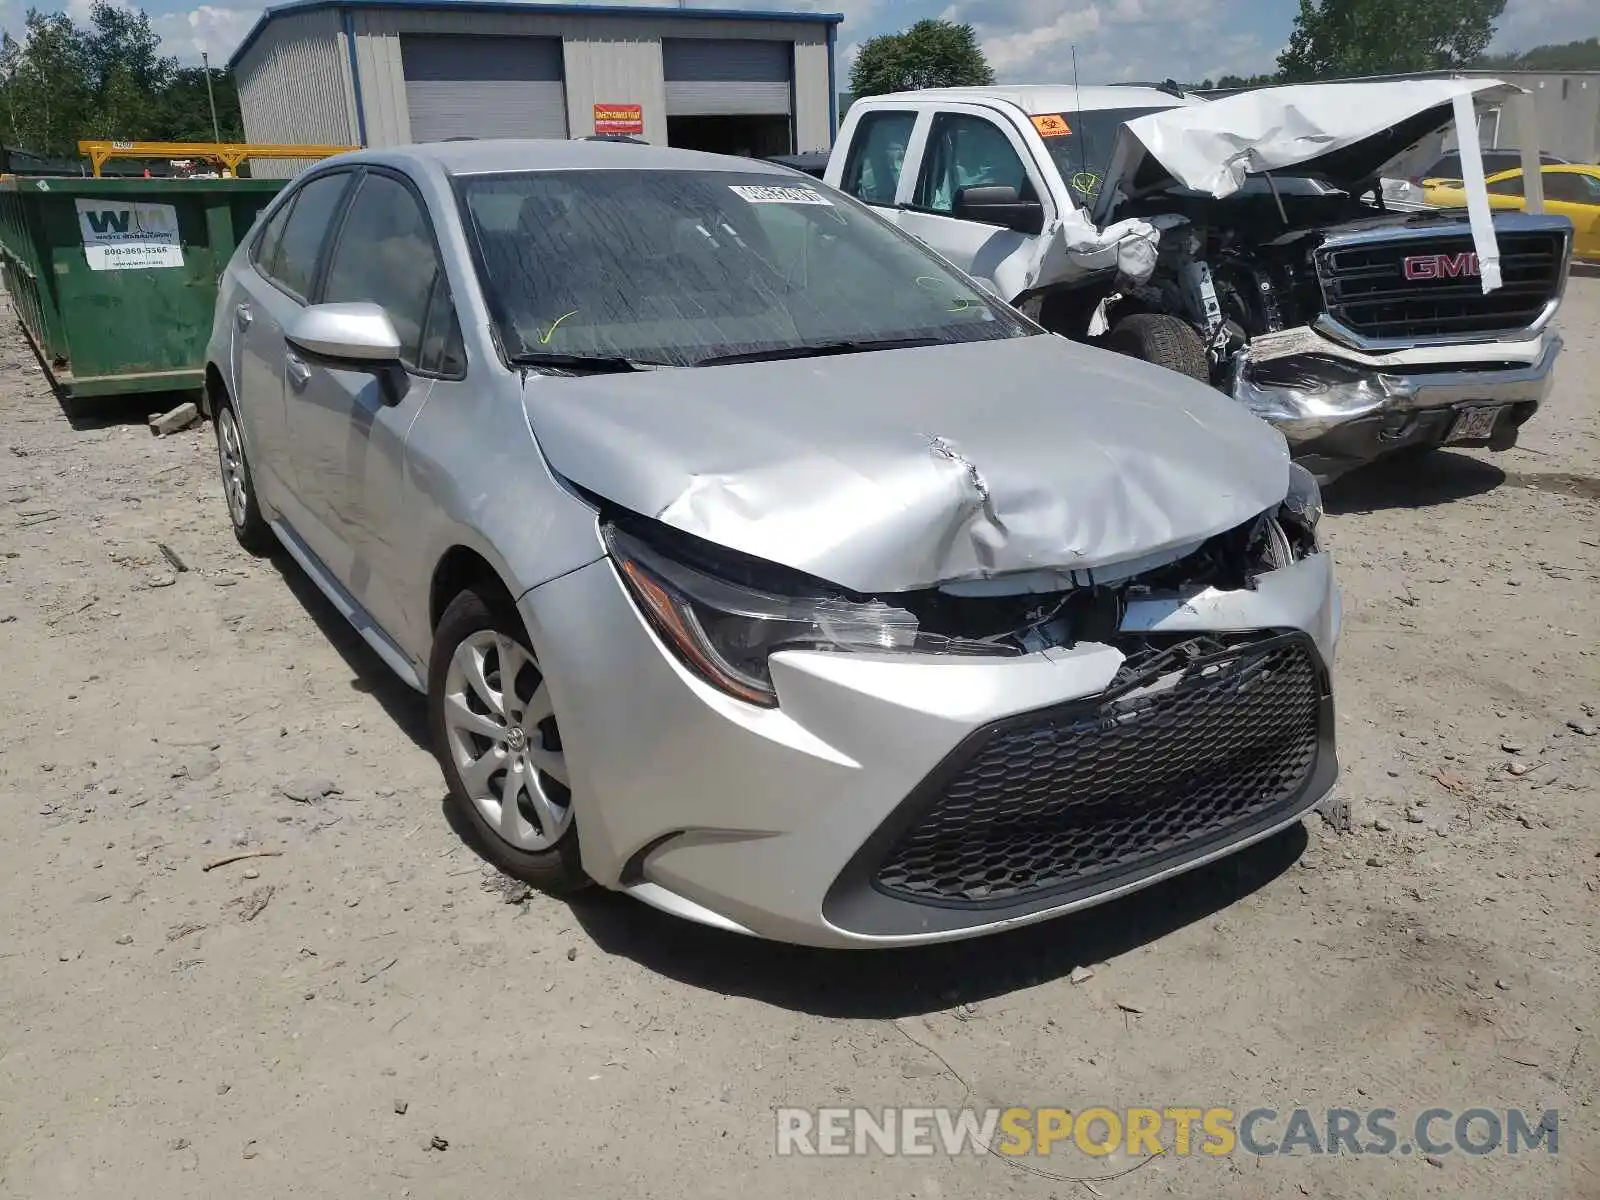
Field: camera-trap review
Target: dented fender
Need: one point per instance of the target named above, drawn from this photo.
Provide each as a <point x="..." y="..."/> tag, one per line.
<point x="1073" y="249"/>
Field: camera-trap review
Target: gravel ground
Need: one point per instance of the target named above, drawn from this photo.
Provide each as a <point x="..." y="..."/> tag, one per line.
<point x="257" y="1029"/>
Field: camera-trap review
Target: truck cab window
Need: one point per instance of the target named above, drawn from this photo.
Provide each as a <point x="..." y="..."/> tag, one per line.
<point x="966" y="151"/>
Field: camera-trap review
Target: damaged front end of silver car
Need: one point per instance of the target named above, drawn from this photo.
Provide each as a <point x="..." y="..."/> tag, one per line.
<point x="724" y="614"/>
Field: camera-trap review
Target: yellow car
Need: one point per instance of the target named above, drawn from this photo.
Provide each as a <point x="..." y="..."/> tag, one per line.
<point x="1572" y="190"/>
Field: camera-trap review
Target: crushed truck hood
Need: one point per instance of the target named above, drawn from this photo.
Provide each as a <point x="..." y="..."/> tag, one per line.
<point x="902" y="469"/>
<point x="1342" y="132"/>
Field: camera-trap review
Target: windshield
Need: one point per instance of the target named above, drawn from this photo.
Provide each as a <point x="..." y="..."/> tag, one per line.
<point x="682" y="267"/>
<point x="1083" y="152"/>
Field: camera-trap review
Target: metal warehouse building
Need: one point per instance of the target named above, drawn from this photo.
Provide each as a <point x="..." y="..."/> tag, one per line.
<point x="388" y="72"/>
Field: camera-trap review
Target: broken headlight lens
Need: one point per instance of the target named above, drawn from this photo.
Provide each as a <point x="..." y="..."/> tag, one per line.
<point x="725" y="631"/>
<point x="1301" y="510"/>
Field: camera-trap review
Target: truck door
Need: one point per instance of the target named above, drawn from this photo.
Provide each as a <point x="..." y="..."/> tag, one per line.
<point x="973" y="149"/>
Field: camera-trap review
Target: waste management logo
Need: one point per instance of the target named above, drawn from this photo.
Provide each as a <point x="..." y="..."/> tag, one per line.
<point x="1146" y="1132"/>
<point x="121" y="235"/>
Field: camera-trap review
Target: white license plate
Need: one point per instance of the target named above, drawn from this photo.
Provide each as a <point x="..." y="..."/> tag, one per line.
<point x="1474" y="424"/>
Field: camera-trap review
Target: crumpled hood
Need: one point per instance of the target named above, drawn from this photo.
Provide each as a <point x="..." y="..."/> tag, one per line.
<point x="901" y="469"/>
<point x="1343" y="132"/>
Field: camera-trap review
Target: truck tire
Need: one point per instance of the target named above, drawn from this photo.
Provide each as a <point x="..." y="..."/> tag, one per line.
<point x="1162" y="339"/>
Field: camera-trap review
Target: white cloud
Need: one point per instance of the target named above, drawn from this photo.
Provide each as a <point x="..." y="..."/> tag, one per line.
<point x="1116" y="40"/>
<point x="216" y="31"/>
<point x="1529" y="23"/>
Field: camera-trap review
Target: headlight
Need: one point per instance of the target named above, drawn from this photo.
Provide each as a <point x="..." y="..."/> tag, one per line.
<point x="1304" y="498"/>
<point x="1301" y="510"/>
<point x="725" y="630"/>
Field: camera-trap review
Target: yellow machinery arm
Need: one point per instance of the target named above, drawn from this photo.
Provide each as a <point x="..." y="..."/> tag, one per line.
<point x="230" y="154"/>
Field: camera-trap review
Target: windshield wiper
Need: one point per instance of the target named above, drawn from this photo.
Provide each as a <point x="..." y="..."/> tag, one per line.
<point x="597" y="364"/>
<point x="818" y="350"/>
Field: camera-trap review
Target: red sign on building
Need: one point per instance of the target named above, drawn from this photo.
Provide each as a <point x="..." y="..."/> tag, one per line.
<point x="619" y="118"/>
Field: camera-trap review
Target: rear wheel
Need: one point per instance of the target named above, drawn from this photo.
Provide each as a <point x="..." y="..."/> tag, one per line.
<point x="1164" y="340"/>
<point x="494" y="728"/>
<point x="238" y="488"/>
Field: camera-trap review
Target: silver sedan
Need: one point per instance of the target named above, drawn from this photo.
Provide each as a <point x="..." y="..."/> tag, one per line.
<point x="756" y="562"/>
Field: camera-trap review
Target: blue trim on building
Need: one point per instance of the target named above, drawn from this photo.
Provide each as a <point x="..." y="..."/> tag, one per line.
<point x="833" y="88"/>
<point x="355" y="73"/>
<point x="832" y="20"/>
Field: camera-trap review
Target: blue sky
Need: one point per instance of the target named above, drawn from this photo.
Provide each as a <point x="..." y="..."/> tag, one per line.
<point x="1026" y="40"/>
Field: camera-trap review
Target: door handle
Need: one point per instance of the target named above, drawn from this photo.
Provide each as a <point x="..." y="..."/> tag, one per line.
<point x="242" y="316"/>
<point x="299" y="374"/>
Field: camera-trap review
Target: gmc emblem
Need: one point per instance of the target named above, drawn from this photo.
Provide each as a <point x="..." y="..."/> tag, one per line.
<point x="1441" y="266"/>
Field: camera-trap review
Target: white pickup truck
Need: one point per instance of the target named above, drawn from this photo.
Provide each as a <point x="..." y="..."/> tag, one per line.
<point x="1242" y="241"/>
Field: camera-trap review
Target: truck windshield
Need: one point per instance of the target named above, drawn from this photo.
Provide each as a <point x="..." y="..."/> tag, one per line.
<point x="1083" y="155"/>
<point x="678" y="268"/>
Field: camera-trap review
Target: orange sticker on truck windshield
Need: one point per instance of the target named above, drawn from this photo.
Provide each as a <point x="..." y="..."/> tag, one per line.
<point x="1052" y="125"/>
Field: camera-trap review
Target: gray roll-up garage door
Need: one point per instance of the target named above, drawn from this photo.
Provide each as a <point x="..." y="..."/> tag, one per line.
<point x="483" y="87"/>
<point x="712" y="77"/>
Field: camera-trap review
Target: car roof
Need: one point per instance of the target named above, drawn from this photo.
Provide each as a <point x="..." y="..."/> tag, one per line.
<point x="1547" y="169"/>
<point x="1497" y="152"/>
<point x="1033" y="98"/>
<point x="490" y="155"/>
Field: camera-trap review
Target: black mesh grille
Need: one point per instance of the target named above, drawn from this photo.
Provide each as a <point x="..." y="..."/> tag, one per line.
<point x="1054" y="800"/>
<point x="1368" y="292"/>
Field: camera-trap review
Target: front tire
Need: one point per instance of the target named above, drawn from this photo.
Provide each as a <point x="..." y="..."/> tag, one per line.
<point x="494" y="730"/>
<point x="238" y="486"/>
<point x="1164" y="340"/>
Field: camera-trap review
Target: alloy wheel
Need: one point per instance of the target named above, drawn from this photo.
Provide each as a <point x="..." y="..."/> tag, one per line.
<point x="230" y="456"/>
<point x="500" y="723"/>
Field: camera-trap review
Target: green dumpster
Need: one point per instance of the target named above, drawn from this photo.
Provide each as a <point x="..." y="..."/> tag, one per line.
<point x="114" y="280"/>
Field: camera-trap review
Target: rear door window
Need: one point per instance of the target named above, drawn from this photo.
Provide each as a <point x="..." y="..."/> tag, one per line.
<point x="877" y="155"/>
<point x="267" y="242"/>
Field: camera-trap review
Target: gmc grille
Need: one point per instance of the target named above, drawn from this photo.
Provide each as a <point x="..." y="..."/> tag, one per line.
<point x="1365" y="288"/>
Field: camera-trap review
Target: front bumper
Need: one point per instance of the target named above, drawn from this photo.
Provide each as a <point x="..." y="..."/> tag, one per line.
<point x="1368" y="409"/>
<point x="767" y="821"/>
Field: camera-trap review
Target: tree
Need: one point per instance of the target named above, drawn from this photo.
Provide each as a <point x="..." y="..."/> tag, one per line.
<point x="45" y="98"/>
<point x="60" y="83"/>
<point x="183" y="112"/>
<point x="1569" y="56"/>
<point x="1248" y="81"/>
<point x="932" y="53"/>
<point x="1337" y="38"/>
<point x="125" y="71"/>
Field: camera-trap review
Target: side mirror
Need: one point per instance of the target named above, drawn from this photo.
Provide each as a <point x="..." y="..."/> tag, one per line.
<point x="358" y="333"/>
<point x="999" y="204"/>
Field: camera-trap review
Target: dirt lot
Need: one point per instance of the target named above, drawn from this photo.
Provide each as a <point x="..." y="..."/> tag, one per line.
<point x="256" y="1030"/>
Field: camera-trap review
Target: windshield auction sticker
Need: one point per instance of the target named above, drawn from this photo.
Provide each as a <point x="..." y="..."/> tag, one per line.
<point x="764" y="194"/>
<point x="122" y="236"/>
